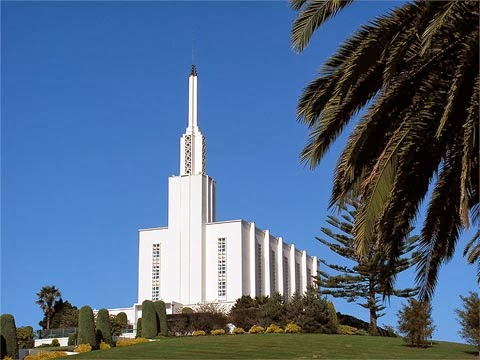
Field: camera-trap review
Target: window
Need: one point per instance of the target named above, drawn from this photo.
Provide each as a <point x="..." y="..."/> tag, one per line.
<point x="309" y="277"/>
<point x="156" y="272"/>
<point x="297" y="278"/>
<point x="286" y="282"/>
<point x="222" y="268"/>
<point x="273" y="271"/>
<point x="259" y="270"/>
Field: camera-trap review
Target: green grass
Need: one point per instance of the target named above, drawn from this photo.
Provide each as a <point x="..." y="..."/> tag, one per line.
<point x="283" y="346"/>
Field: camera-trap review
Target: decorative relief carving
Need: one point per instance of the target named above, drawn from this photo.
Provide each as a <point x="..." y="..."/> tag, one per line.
<point x="188" y="154"/>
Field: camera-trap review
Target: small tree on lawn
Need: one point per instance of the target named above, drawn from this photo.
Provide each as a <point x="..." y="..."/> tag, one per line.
<point x="86" y="327"/>
<point x="104" y="328"/>
<point x="469" y="318"/>
<point x="362" y="283"/>
<point x="415" y="322"/>
<point x="8" y="336"/>
<point x="149" y="320"/>
<point x="25" y="337"/>
<point x="161" y="312"/>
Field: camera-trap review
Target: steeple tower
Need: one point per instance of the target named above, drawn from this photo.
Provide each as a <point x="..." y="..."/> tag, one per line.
<point x="192" y="143"/>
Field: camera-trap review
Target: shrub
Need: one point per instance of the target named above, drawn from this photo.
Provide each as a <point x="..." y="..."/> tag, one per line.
<point x="198" y="333"/>
<point x="361" y="332"/>
<point x="72" y="339"/>
<point x="8" y="358"/>
<point x="55" y="343"/>
<point x="469" y="318"/>
<point x="139" y="328"/>
<point x="104" y="328"/>
<point x="104" y="346"/>
<point x="86" y="327"/>
<point x="256" y="329"/>
<point x="118" y="323"/>
<point x="333" y="312"/>
<point x="161" y="313"/>
<point x="217" y="332"/>
<point x="25" y="337"/>
<point x="346" y="330"/>
<point x="274" y="328"/>
<point x="293" y="328"/>
<point x="187" y="310"/>
<point x="130" y="342"/>
<point x="43" y="355"/>
<point x="184" y="324"/>
<point x="82" y="348"/>
<point x="8" y="334"/>
<point x="415" y="322"/>
<point x="149" y="320"/>
<point x="238" y="331"/>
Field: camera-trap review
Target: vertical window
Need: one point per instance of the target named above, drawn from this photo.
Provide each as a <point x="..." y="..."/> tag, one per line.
<point x="156" y="272"/>
<point x="286" y="282"/>
<point x="273" y="272"/>
<point x="259" y="270"/>
<point x="297" y="278"/>
<point x="222" y="268"/>
<point x="309" y="277"/>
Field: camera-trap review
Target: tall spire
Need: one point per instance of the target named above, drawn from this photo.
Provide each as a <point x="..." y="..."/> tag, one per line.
<point x="192" y="100"/>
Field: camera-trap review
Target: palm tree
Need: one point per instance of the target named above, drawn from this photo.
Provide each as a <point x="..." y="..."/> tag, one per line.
<point x="417" y="69"/>
<point x="47" y="298"/>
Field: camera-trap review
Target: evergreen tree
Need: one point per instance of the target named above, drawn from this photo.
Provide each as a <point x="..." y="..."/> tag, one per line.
<point x="65" y="315"/>
<point x="86" y="327"/>
<point x="119" y="323"/>
<point x="469" y="318"/>
<point x="149" y="320"/>
<point x="8" y="336"/>
<point x="365" y="280"/>
<point x="139" y="328"/>
<point x="415" y="322"/>
<point x="104" y="328"/>
<point x="25" y="337"/>
<point x="161" y="313"/>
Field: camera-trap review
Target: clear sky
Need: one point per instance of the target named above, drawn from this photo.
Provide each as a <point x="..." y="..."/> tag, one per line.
<point x="93" y="103"/>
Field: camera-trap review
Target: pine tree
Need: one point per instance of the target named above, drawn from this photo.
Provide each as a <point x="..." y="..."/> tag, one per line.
<point x="149" y="320"/>
<point x="104" y="328"/>
<point x="415" y="322"/>
<point x="365" y="280"/>
<point x="8" y="336"/>
<point x="86" y="327"/>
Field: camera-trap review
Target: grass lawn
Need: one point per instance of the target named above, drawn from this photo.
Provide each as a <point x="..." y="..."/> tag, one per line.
<point x="283" y="346"/>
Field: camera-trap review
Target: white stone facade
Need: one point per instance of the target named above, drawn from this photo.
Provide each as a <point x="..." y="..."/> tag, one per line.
<point x="196" y="259"/>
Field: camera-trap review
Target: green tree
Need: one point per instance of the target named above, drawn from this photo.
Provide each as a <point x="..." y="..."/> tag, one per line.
<point x="415" y="322"/>
<point x="275" y="310"/>
<point x="47" y="299"/>
<point x="139" y="328"/>
<point x="119" y="323"/>
<point x="25" y="337"/>
<point x="161" y="313"/>
<point x="86" y="327"/>
<point x="149" y="320"/>
<point x="469" y="318"/>
<point x="417" y="69"/>
<point x="8" y="336"/>
<point x="64" y="315"/>
<point x="103" y="327"/>
<point x="364" y="280"/>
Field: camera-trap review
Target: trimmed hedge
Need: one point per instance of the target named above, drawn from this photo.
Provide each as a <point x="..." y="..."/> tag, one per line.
<point x="161" y="313"/>
<point x="184" y="324"/>
<point x="139" y="328"/>
<point x="149" y="320"/>
<point x="25" y="337"/>
<point x="8" y="335"/>
<point x="86" y="327"/>
<point x="104" y="328"/>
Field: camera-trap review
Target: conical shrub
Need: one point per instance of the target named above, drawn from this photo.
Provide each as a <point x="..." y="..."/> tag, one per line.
<point x="8" y="336"/>
<point x="161" y="312"/>
<point x="149" y="320"/>
<point x="139" y="328"/>
<point x="86" y="327"/>
<point x="104" y="328"/>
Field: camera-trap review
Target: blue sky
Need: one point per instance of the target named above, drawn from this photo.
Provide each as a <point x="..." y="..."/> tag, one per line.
<point x="94" y="101"/>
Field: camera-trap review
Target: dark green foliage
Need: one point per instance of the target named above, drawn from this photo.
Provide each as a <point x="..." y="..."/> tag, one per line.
<point x="247" y="312"/>
<point x="344" y="319"/>
<point x="86" y="327"/>
<point x="415" y="70"/>
<point x="161" y="313"/>
<point x="25" y="337"/>
<point x="415" y="322"/>
<point x="55" y="343"/>
<point x="275" y="310"/>
<point x="139" y="328"/>
<point x="363" y="282"/>
<point x="469" y="318"/>
<point x="103" y="327"/>
<point x="72" y="339"/>
<point x="187" y="310"/>
<point x="65" y="315"/>
<point x="118" y="323"/>
<point x="8" y="333"/>
<point x="47" y="299"/>
<point x="183" y="324"/>
<point x="149" y="320"/>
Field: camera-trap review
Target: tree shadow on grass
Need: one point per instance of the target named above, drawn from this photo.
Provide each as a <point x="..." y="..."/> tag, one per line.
<point x="473" y="353"/>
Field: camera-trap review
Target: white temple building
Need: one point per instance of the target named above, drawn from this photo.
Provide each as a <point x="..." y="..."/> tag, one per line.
<point x="197" y="259"/>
